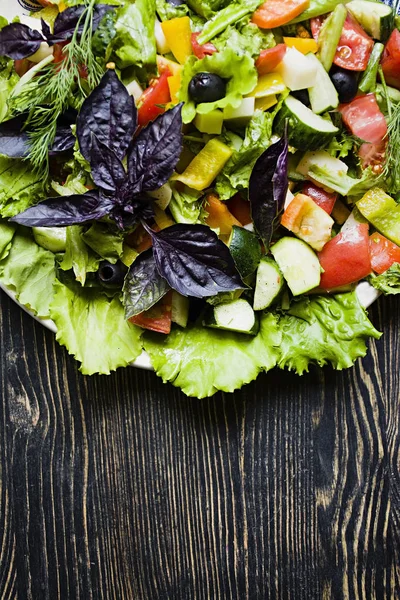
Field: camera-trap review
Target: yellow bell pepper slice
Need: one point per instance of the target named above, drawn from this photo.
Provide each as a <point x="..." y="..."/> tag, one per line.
<point x="268" y="85"/>
<point x="178" y="35"/>
<point x="174" y="83"/>
<point x="303" y="45"/>
<point x="266" y="102"/>
<point x="164" y="63"/>
<point x="204" y="168"/>
<point x="161" y="218"/>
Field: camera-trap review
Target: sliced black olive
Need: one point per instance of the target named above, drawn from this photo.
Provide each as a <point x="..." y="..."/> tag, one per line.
<point x="303" y="96"/>
<point x="207" y="87"/>
<point x="346" y="84"/>
<point x="111" y="275"/>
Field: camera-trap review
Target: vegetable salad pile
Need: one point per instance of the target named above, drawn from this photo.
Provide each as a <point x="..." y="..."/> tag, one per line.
<point x="206" y="180"/>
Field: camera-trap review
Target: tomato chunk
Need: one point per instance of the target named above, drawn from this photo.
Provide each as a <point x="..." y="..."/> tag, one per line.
<point x="157" y="318"/>
<point x="201" y="51"/>
<point x="346" y="258"/>
<point x="354" y="47"/>
<point x="154" y="99"/>
<point x="269" y="59"/>
<point x="275" y="13"/>
<point x="240" y="209"/>
<point x="364" y="119"/>
<point x="391" y="60"/>
<point x="384" y="253"/>
<point x="325" y="200"/>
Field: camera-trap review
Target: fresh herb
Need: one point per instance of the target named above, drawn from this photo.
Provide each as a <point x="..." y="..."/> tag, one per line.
<point x="143" y="285"/>
<point x="105" y="129"/>
<point x="267" y="189"/>
<point x="194" y="261"/>
<point x="46" y="97"/>
<point x="388" y="282"/>
<point x="19" y="41"/>
<point x="391" y="169"/>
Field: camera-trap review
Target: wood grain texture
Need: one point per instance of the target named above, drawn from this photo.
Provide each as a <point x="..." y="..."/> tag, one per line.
<point x="121" y="488"/>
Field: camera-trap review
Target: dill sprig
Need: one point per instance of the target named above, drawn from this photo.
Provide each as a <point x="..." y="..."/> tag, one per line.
<point x="46" y="97"/>
<point x="391" y="169"/>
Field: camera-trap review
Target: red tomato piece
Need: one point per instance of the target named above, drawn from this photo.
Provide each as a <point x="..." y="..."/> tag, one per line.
<point x="201" y="51"/>
<point x="269" y="59"/>
<point x="22" y="66"/>
<point x="373" y="155"/>
<point x="325" y="200"/>
<point x="384" y="253"/>
<point x="364" y="119"/>
<point x="240" y="208"/>
<point x="157" y="318"/>
<point x="346" y="258"/>
<point x="275" y="13"/>
<point x="154" y="99"/>
<point x="391" y="60"/>
<point x="354" y="47"/>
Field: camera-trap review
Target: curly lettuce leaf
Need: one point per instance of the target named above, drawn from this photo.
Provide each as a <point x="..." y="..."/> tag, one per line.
<point x="236" y="174"/>
<point x="203" y="361"/>
<point x="29" y="271"/>
<point x="134" y="43"/>
<point x="105" y="240"/>
<point x="324" y="329"/>
<point x="78" y="256"/>
<point x="20" y="187"/>
<point x="207" y="8"/>
<point x="166" y="10"/>
<point x="8" y="79"/>
<point x="239" y="71"/>
<point x="388" y="282"/>
<point x="245" y="39"/>
<point x="93" y="329"/>
<point x="186" y="205"/>
<point x="7" y="231"/>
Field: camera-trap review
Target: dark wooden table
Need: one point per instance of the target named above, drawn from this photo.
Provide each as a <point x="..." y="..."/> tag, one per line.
<point x="121" y="488"/>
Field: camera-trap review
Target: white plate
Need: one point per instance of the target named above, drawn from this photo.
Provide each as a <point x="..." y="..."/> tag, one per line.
<point x="12" y="8"/>
<point x="365" y="292"/>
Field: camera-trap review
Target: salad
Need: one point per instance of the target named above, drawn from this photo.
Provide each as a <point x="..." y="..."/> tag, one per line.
<point x="206" y="180"/>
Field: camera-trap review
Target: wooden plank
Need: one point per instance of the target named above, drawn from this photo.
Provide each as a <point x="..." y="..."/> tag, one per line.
<point x="121" y="487"/>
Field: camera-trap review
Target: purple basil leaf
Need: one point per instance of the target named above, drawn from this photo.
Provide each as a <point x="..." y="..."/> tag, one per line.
<point x="13" y="141"/>
<point x="143" y="286"/>
<point x="67" y="21"/>
<point x="67" y="210"/>
<point x="267" y="189"/>
<point x="156" y="151"/>
<point x="107" y="170"/>
<point x="19" y="41"/>
<point x="110" y="114"/>
<point x="194" y="261"/>
<point x="64" y="140"/>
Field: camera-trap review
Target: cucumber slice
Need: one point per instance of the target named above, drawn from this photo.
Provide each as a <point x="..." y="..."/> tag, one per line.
<point x="368" y="80"/>
<point x="179" y="309"/>
<point x="298" y="263"/>
<point x="269" y="284"/>
<point x="306" y="130"/>
<point x="233" y="316"/>
<point x="323" y="96"/>
<point x="245" y="249"/>
<point x="51" y="238"/>
<point x="375" y="18"/>
<point x="329" y="36"/>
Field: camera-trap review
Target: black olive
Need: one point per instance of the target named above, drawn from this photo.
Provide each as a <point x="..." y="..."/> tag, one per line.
<point x="207" y="87"/>
<point x="111" y="275"/>
<point x="303" y="96"/>
<point x="346" y="84"/>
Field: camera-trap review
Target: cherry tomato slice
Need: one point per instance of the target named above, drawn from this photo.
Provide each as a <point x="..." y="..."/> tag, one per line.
<point x="201" y="51"/>
<point x="269" y="59"/>
<point x="157" y="318"/>
<point x="391" y="60"/>
<point x="275" y="13"/>
<point x="154" y="99"/>
<point x="325" y="200"/>
<point x="346" y="258"/>
<point x="384" y="253"/>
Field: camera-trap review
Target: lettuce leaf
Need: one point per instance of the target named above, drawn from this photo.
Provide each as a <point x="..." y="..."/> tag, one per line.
<point x="78" y="256"/>
<point x="106" y="241"/>
<point x="8" y="79"/>
<point x="239" y="71"/>
<point x="186" y="205"/>
<point x="93" y="329"/>
<point x="388" y="282"/>
<point x="134" y="43"/>
<point x="203" y="361"/>
<point x="245" y="39"/>
<point x="207" y="8"/>
<point x="20" y="187"/>
<point x="236" y="173"/>
<point x="29" y="271"/>
<point x="324" y="329"/>
<point x="167" y="11"/>
<point x="7" y="231"/>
